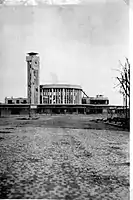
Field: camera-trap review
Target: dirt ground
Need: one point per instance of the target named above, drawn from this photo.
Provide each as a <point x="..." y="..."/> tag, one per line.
<point x="63" y="157"/>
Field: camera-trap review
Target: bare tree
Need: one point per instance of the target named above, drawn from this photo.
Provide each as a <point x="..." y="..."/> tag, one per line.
<point x="124" y="82"/>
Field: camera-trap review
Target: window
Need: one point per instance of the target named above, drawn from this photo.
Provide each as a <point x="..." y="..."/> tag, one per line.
<point x="9" y="101"/>
<point x="24" y="101"/>
<point x="17" y="101"/>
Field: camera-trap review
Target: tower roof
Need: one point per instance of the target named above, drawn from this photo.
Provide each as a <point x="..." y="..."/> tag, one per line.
<point x="32" y="53"/>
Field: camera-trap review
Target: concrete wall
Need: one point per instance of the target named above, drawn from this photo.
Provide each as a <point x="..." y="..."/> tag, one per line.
<point x="33" y="88"/>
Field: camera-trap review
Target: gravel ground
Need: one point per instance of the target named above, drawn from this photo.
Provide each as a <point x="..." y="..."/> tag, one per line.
<point x="42" y="162"/>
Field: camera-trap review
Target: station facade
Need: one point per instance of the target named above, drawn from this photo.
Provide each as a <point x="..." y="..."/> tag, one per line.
<point x="52" y="94"/>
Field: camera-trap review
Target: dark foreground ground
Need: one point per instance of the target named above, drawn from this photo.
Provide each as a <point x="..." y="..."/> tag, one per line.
<point x="63" y="157"/>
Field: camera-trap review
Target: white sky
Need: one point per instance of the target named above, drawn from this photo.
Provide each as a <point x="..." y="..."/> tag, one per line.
<point x="77" y="45"/>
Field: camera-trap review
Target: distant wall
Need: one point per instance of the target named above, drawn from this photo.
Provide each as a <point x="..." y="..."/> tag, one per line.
<point x="5" y="112"/>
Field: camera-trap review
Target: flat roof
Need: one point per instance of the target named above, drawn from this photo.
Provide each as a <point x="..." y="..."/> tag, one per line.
<point x="61" y="86"/>
<point x="3" y="105"/>
<point x="13" y="98"/>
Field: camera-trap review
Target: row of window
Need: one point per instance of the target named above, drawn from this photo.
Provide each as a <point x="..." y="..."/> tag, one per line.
<point x="17" y="101"/>
<point x="67" y="100"/>
<point x="95" y="101"/>
<point x="61" y="94"/>
<point x="99" y="101"/>
<point x="57" y="89"/>
<point x="68" y="91"/>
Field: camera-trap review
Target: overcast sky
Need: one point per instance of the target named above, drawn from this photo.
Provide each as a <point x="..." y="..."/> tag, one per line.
<point x="79" y="44"/>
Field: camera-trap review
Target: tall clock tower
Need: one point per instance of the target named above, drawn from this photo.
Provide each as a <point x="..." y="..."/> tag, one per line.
<point x="33" y="68"/>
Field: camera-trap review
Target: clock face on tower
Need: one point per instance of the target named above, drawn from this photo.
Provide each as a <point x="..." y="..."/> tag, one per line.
<point x="35" y="63"/>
